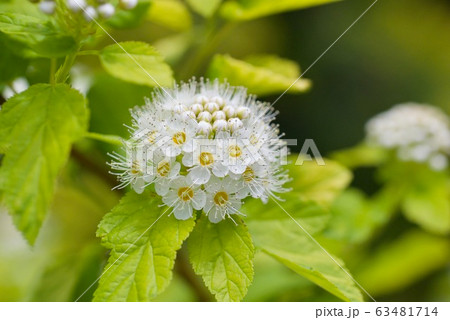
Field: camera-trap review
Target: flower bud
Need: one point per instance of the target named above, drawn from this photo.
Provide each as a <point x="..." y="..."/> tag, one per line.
<point x="197" y="108"/>
<point x="90" y="13"/>
<point x="229" y="111"/>
<point x="219" y="115"/>
<point x="76" y="5"/>
<point x="106" y="10"/>
<point x="235" y="124"/>
<point x="218" y="100"/>
<point x="243" y="112"/>
<point x="204" y="127"/>
<point x="179" y="108"/>
<point x="201" y="99"/>
<point x="128" y="4"/>
<point x="47" y="7"/>
<point x="204" y="116"/>
<point x="189" y="115"/>
<point x="220" y="125"/>
<point x="211" y="107"/>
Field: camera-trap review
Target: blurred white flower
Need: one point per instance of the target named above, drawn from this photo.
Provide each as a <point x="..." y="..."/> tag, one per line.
<point x="418" y="133"/>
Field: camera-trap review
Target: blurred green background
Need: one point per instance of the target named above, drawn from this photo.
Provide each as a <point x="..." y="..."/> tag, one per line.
<point x="398" y="52"/>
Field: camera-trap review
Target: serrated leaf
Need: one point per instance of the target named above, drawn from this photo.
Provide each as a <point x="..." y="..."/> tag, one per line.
<point x="143" y="239"/>
<point x="398" y="264"/>
<point x="136" y="62"/>
<point x="35" y="36"/>
<point x="172" y="14"/>
<point x="38" y="127"/>
<point x="252" y="9"/>
<point x="284" y="239"/>
<point x="222" y="254"/>
<point x="204" y="7"/>
<point x="261" y="75"/>
<point x="319" y="183"/>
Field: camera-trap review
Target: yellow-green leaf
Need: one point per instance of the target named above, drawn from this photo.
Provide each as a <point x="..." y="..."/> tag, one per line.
<point x="222" y="254"/>
<point x="143" y="239"/>
<point x="170" y="13"/>
<point x="136" y="62"/>
<point x="252" y="9"/>
<point x="204" y="7"/>
<point x="319" y="183"/>
<point x="261" y="75"/>
<point x="37" y="128"/>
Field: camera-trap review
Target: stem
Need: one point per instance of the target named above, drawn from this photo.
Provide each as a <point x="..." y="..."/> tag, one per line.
<point x="184" y="269"/>
<point x="63" y="73"/>
<point x="52" y="70"/>
<point x="108" y="138"/>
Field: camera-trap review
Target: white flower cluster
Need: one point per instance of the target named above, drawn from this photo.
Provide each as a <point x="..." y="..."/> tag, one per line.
<point x="91" y="9"/>
<point x="204" y="146"/>
<point x="418" y="133"/>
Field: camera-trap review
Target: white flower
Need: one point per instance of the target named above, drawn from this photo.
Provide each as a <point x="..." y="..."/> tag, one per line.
<point x="76" y="5"/>
<point x="180" y="136"/>
<point x="204" y="137"/>
<point x="418" y="133"/>
<point x="90" y="13"/>
<point x="128" y="4"/>
<point x="183" y="196"/>
<point x="221" y="199"/>
<point x="202" y="161"/>
<point x="106" y="10"/>
<point x="131" y="170"/>
<point x="161" y="170"/>
<point x="47" y="7"/>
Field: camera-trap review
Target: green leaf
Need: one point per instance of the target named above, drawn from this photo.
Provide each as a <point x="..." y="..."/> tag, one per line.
<point x="205" y="7"/>
<point x="172" y="14"/>
<point x="35" y="36"/>
<point x="222" y="253"/>
<point x="252" y="9"/>
<point x="143" y="239"/>
<point x="351" y="220"/>
<point x="12" y="66"/>
<point x="361" y="156"/>
<point x="42" y="121"/>
<point x="427" y="203"/>
<point x="124" y="19"/>
<point x="404" y="261"/>
<point x="319" y="183"/>
<point x="261" y="75"/>
<point x="278" y="235"/>
<point x="136" y="62"/>
<point x="312" y="216"/>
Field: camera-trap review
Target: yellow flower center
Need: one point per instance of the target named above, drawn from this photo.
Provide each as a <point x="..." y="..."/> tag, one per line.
<point x="206" y="159"/>
<point x="221" y="198"/>
<point x="135" y="168"/>
<point x="152" y="136"/>
<point x="248" y="174"/>
<point x="163" y="168"/>
<point x="253" y="139"/>
<point x="179" y="138"/>
<point x="234" y="151"/>
<point x="185" y="193"/>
